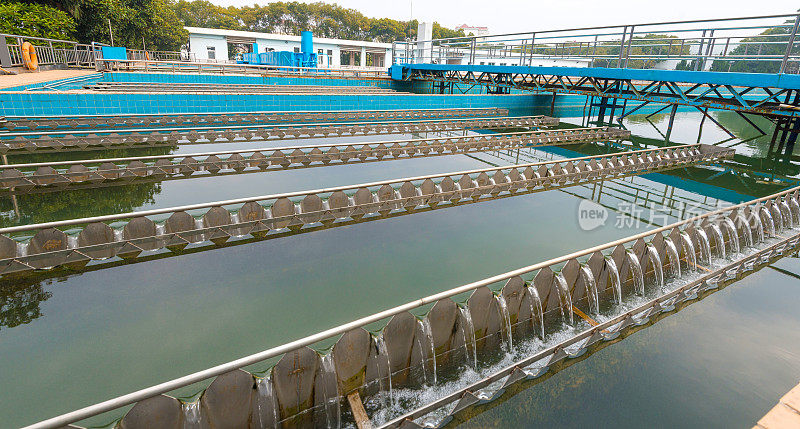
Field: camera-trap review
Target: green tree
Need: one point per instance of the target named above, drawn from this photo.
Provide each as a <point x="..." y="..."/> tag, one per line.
<point x="202" y="13"/>
<point x="36" y="20"/>
<point x="765" y="44"/>
<point x="155" y="21"/>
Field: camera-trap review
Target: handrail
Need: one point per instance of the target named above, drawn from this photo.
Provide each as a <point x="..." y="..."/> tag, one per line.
<point x="617" y="45"/>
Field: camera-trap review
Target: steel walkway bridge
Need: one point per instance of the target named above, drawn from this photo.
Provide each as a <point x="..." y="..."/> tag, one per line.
<point x="746" y="65"/>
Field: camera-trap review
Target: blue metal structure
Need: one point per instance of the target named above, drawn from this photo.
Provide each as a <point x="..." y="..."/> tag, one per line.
<point x="306" y="58"/>
<point x="703" y="64"/>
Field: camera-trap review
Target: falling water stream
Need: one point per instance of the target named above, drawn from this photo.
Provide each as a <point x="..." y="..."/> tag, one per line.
<point x="426" y="328"/>
<point x="537" y="315"/>
<point x="470" y="327"/>
<point x="266" y="400"/>
<point x="564" y="298"/>
<point x="770" y="223"/>
<point x="636" y="270"/>
<point x="747" y="232"/>
<point x="616" y="285"/>
<point x="705" y="245"/>
<point x="658" y="269"/>
<point x="591" y="289"/>
<point x="191" y="415"/>
<point x="688" y="249"/>
<point x="718" y="239"/>
<point x="733" y="235"/>
<point x="501" y="301"/>
<point x="787" y="220"/>
<point x="383" y="359"/>
<point x="333" y="410"/>
<point x="673" y="257"/>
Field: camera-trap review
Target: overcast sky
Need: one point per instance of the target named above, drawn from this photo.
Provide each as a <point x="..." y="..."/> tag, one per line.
<point x="505" y="16"/>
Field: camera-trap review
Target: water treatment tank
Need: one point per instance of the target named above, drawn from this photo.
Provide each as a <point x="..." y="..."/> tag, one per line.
<point x="306" y="42"/>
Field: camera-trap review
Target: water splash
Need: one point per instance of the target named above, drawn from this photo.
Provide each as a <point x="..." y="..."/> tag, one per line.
<point x="266" y="398"/>
<point x="705" y="245"/>
<point x="426" y="328"/>
<point x="658" y="269"/>
<point x="616" y="285"/>
<point x="591" y="289"/>
<point x="720" y="241"/>
<point x="673" y="256"/>
<point x="537" y="315"/>
<point x="383" y="359"/>
<point x="333" y="410"/>
<point x="564" y="298"/>
<point x="733" y="234"/>
<point x="192" y="419"/>
<point x="501" y="301"/>
<point x="470" y="327"/>
<point x="636" y="270"/>
<point x="688" y="249"/>
<point x="747" y="233"/>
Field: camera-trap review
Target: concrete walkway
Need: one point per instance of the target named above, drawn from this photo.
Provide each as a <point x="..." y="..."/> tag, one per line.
<point x="9" y="81"/>
<point x="785" y="415"/>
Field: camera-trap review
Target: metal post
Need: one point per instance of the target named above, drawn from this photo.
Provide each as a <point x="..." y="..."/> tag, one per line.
<point x="472" y="52"/>
<point x="671" y="122"/>
<point x="789" y="45"/>
<point x="702" y="121"/>
<point x="5" y="55"/>
<point x="553" y="104"/>
<point x="622" y="46"/>
<point x="630" y="40"/>
<point x="700" y="51"/>
<point x="533" y="42"/>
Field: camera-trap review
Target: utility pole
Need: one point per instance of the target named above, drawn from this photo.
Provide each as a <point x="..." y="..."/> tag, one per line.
<point x="110" y="32"/>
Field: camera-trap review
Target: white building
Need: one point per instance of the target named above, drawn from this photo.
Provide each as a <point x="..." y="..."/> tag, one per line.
<point x="216" y="45"/>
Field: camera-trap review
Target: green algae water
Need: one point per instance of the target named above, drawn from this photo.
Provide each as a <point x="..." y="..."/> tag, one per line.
<point x="73" y="341"/>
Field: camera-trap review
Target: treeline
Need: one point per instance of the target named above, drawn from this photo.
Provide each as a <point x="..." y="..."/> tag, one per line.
<point x="325" y="20"/>
<point x="158" y="24"/>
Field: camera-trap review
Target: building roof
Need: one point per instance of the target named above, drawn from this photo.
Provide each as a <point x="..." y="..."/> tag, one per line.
<point x="283" y="37"/>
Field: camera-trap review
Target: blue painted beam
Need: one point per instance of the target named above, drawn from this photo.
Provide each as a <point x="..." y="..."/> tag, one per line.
<point x="758" y="80"/>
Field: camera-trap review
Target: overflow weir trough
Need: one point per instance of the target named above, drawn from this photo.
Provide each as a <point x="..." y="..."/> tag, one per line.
<point x="554" y="311"/>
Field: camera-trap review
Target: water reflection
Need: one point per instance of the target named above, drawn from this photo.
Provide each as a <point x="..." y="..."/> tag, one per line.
<point x="38" y="208"/>
<point x="20" y="303"/>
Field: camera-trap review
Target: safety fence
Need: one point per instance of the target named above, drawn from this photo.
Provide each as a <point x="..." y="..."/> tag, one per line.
<point x="205" y="67"/>
<point x="92" y="173"/>
<point x="75" y="243"/>
<point x="765" y="44"/>
<point x="48" y="51"/>
<point x="157" y="87"/>
<point x="235" y="118"/>
<point x="81" y="140"/>
<point x="611" y="288"/>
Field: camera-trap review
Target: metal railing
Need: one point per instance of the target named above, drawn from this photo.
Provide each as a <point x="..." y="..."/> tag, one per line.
<point x="48" y="51"/>
<point x="747" y="44"/>
<point x="223" y="68"/>
<point x="146" y="55"/>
